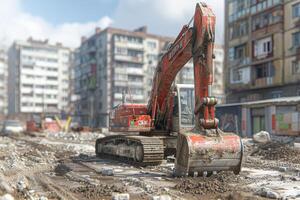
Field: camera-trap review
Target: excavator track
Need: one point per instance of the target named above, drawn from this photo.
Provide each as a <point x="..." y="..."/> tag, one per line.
<point x="139" y="150"/>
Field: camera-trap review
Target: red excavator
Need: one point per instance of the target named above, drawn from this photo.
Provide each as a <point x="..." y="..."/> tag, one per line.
<point x="178" y="120"/>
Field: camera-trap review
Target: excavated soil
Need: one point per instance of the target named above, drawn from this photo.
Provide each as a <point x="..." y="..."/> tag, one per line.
<point x="277" y="151"/>
<point x="98" y="191"/>
<point x="215" y="184"/>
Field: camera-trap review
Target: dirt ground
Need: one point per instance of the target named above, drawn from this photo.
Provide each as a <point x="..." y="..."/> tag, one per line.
<point x="64" y="166"/>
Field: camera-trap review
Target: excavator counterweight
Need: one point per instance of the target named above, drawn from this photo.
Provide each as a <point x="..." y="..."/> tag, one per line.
<point x="178" y="119"/>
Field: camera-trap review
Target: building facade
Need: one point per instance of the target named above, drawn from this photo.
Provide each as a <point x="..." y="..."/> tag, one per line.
<point x="38" y="77"/>
<point x="3" y="82"/>
<point x="262" y="49"/>
<point x="111" y="62"/>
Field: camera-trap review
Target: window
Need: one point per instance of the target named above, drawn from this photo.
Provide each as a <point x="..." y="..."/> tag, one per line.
<point x="296" y="10"/>
<point x="264" y="70"/>
<point x="295" y="67"/>
<point x="135" y="78"/>
<point x="151" y="44"/>
<point x="121" y="51"/>
<point x="237" y="75"/>
<point x="276" y="94"/>
<point x="238" y="30"/>
<point x="263" y="47"/>
<point x="240" y="75"/>
<point x="53" y="78"/>
<point x="28" y="66"/>
<point x="296" y="39"/>
<point x="267" y="19"/>
<point x="240" y="52"/>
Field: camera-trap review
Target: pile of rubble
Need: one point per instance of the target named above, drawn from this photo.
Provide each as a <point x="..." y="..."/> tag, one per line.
<point x="218" y="183"/>
<point x="98" y="191"/>
<point x="76" y="136"/>
<point x="277" y="151"/>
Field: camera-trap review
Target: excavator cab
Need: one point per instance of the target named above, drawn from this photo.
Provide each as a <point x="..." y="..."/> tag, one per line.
<point x="184" y="104"/>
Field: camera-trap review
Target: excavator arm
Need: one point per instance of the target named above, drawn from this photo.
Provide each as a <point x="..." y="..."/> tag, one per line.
<point x="204" y="148"/>
<point x="195" y="43"/>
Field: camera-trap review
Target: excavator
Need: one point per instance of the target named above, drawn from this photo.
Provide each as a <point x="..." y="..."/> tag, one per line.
<point x="179" y="119"/>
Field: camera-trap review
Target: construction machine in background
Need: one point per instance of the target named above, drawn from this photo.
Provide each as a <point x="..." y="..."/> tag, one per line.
<point x="179" y="119"/>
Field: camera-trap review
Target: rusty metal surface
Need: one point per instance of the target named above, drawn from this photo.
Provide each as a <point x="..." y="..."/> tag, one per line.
<point x="200" y="153"/>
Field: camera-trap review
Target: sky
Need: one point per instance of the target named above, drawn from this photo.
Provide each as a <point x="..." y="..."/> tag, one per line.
<point x="67" y="20"/>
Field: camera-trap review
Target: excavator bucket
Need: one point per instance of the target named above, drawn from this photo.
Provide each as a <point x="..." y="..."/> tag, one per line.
<point x="201" y="154"/>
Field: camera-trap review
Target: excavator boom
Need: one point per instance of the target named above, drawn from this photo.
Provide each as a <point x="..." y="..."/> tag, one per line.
<point x="203" y="148"/>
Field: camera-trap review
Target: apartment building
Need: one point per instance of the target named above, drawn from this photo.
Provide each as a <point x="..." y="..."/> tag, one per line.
<point x="3" y="82"/>
<point x="38" y="77"/>
<point x="262" y="42"/>
<point x="114" y="61"/>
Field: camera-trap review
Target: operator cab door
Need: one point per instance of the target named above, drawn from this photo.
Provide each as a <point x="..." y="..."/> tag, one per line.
<point x="183" y="111"/>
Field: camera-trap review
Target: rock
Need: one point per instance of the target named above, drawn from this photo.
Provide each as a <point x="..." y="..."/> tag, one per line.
<point x="297" y="146"/>
<point x="148" y="188"/>
<point x="21" y="185"/>
<point x="107" y="171"/>
<point x="120" y="196"/>
<point x="7" y="197"/>
<point x="161" y="197"/>
<point x="272" y="195"/>
<point x="282" y="169"/>
<point x="5" y="186"/>
<point x="262" y="137"/>
<point x="265" y="192"/>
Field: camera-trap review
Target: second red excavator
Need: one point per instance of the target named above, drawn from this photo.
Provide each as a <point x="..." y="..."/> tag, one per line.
<point x="178" y="120"/>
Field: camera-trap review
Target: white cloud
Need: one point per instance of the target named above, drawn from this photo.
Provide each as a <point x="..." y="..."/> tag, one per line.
<point x="18" y="25"/>
<point x="165" y="17"/>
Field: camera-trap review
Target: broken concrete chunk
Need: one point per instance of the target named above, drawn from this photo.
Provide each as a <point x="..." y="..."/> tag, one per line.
<point x="161" y="197"/>
<point x="7" y="197"/>
<point x="5" y="186"/>
<point x="120" y="196"/>
<point x="265" y="192"/>
<point x="282" y="169"/>
<point x="107" y="171"/>
<point x="262" y="137"/>
<point x="21" y="185"/>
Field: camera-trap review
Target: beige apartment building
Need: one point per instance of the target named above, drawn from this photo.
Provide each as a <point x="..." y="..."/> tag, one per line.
<point x="111" y="62"/>
<point x="262" y="42"/>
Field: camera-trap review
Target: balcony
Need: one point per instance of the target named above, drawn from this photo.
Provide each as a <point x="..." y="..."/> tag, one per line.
<point x="264" y="5"/>
<point x="263" y="82"/>
<point x="118" y="96"/>
<point x="135" y="71"/>
<point x="240" y="62"/>
<point x="130" y="45"/>
<point x="137" y="59"/>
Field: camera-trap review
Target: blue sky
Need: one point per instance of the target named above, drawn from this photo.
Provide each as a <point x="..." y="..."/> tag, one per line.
<point x="62" y="11"/>
<point x="67" y="20"/>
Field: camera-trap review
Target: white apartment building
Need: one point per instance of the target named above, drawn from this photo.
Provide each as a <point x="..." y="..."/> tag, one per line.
<point x="3" y="83"/>
<point x="38" y="77"/>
